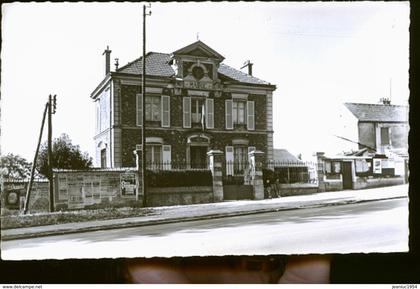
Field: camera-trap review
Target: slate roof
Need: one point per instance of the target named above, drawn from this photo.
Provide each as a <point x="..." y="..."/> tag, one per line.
<point x="378" y="112"/>
<point x="157" y="64"/>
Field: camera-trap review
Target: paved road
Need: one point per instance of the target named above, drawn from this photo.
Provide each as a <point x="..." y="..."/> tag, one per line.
<point x="380" y="226"/>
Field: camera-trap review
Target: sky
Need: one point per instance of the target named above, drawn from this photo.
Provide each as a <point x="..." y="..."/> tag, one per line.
<point x="319" y="55"/>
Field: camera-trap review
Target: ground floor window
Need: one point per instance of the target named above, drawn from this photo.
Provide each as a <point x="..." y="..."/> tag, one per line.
<point x="153" y="156"/>
<point x="240" y="159"/>
<point x="333" y="167"/>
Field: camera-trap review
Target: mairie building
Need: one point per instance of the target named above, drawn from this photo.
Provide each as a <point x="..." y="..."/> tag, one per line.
<point x="194" y="103"/>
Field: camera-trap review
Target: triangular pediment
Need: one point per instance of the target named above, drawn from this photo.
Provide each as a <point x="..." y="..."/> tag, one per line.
<point x="200" y="49"/>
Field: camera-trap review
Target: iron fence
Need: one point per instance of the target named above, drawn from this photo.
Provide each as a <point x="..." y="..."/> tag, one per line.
<point x="176" y="166"/>
<point x="236" y="172"/>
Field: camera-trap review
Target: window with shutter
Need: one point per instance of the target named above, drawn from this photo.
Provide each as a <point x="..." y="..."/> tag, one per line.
<point x="139" y="109"/>
<point x="228" y="114"/>
<point x="250" y="115"/>
<point x="186" y="108"/>
<point x="166" y="108"/>
<point x="197" y="110"/>
<point x="209" y="113"/>
<point x="153" y="108"/>
<point x="238" y="112"/>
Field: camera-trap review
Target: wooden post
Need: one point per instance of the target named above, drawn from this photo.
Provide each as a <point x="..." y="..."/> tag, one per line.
<point x="28" y="191"/>
<point x="50" y="156"/>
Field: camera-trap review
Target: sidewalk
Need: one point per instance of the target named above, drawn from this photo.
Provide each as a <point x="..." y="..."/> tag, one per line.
<point x="174" y="214"/>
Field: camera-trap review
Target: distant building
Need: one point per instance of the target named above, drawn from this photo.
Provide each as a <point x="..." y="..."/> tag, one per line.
<point x="283" y="155"/>
<point x="194" y="103"/>
<point x="379" y="128"/>
<point x="290" y="169"/>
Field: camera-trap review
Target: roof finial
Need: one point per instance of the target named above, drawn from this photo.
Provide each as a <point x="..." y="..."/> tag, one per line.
<point x="198" y="36"/>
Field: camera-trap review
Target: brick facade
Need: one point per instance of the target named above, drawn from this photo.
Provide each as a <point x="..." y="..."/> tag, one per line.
<point x="207" y="83"/>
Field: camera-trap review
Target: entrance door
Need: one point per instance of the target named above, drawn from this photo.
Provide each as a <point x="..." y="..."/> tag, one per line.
<point x="198" y="157"/>
<point x="347" y="176"/>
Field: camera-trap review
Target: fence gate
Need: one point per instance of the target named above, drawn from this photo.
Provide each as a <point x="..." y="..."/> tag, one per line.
<point x="347" y="176"/>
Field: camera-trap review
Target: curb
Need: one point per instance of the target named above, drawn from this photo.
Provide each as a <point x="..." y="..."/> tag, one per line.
<point x="183" y="219"/>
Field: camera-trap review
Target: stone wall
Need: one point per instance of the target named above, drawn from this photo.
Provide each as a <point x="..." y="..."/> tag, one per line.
<point x="96" y="189"/>
<point x="367" y="183"/>
<point x="332" y="184"/>
<point x="297" y="189"/>
<point x="172" y="196"/>
<point x="13" y="195"/>
<point x="238" y="192"/>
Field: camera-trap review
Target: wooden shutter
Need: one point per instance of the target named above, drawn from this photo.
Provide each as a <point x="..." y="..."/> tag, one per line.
<point x="229" y="160"/>
<point x="209" y="113"/>
<point x="166" y="111"/>
<point x="250" y="115"/>
<point x="166" y="157"/>
<point x="139" y="109"/>
<point x="228" y="114"/>
<point x="186" y="108"/>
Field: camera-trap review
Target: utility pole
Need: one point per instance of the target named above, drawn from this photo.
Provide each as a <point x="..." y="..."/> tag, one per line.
<point x="51" y="111"/>
<point x="28" y="191"/>
<point x="143" y="97"/>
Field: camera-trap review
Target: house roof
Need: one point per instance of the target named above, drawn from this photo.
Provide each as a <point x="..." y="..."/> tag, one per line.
<point x="157" y="64"/>
<point x="283" y="155"/>
<point x="378" y="112"/>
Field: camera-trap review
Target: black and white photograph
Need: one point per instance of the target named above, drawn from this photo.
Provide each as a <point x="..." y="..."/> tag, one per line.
<point x="204" y="129"/>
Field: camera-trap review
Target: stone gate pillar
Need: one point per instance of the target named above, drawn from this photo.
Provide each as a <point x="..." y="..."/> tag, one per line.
<point x="320" y="159"/>
<point x="256" y="159"/>
<point x="215" y="164"/>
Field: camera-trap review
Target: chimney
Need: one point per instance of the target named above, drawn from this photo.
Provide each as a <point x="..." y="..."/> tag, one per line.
<point x="107" y="53"/>
<point x="385" y="101"/>
<point x="249" y="64"/>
